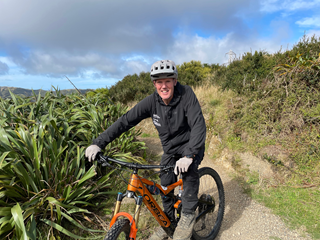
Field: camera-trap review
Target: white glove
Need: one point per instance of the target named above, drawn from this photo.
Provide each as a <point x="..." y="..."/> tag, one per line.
<point x="91" y="152"/>
<point x="182" y="165"/>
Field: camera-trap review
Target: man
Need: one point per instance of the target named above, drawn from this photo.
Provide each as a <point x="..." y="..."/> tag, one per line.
<point x="177" y="115"/>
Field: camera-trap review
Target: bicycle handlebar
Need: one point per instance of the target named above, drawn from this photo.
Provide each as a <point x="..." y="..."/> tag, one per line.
<point x="104" y="159"/>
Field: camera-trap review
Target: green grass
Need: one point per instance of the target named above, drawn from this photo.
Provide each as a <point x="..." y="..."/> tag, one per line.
<point x="298" y="207"/>
<point x="253" y="178"/>
<point x="230" y="117"/>
<point x="215" y="102"/>
<point x="145" y="135"/>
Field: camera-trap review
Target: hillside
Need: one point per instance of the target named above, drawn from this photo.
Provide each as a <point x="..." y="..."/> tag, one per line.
<point x="271" y="181"/>
<point x="4" y="91"/>
<point x="264" y="105"/>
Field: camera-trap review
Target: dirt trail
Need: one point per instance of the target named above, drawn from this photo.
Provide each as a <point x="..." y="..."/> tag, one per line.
<point x="244" y="219"/>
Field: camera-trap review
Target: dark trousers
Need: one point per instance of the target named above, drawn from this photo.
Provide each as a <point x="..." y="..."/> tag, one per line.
<point x="189" y="197"/>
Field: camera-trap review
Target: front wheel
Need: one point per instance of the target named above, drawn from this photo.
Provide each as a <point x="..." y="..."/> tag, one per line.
<point x="119" y="230"/>
<point x="211" y="204"/>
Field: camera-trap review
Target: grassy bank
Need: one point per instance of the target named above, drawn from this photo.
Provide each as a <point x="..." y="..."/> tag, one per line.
<point x="293" y="192"/>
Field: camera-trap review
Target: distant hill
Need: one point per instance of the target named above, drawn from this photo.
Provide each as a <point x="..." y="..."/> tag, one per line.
<point x="4" y="91"/>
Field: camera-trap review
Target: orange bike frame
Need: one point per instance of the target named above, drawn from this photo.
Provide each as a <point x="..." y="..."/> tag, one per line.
<point x="137" y="184"/>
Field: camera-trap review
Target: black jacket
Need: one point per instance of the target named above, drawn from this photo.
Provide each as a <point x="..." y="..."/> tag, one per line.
<point x="180" y="124"/>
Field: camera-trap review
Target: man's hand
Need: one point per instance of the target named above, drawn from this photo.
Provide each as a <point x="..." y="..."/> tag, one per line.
<point x="182" y="165"/>
<point x="91" y="152"/>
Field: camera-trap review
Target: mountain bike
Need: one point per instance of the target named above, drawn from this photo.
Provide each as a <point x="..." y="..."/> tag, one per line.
<point x="209" y="213"/>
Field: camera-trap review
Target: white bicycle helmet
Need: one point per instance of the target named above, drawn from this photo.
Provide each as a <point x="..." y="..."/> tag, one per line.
<point x="163" y="69"/>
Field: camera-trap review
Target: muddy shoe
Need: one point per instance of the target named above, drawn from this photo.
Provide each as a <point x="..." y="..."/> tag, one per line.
<point x="185" y="226"/>
<point x="160" y="234"/>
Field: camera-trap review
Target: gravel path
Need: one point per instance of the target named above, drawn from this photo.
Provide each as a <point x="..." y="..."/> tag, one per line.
<point x="244" y="219"/>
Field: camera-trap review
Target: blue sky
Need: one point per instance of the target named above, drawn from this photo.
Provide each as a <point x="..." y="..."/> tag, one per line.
<point x="95" y="43"/>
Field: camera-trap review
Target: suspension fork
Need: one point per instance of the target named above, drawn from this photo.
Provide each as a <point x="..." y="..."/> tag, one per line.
<point x="120" y="196"/>
<point x="133" y="219"/>
<point x="129" y="194"/>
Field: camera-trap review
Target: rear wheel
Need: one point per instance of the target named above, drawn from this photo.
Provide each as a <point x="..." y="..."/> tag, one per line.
<point x="119" y="230"/>
<point x="210" y="211"/>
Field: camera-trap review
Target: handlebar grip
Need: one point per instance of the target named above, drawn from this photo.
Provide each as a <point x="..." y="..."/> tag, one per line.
<point x="98" y="156"/>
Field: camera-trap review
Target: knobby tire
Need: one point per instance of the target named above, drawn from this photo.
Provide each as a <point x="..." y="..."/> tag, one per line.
<point x="207" y="227"/>
<point x="120" y="226"/>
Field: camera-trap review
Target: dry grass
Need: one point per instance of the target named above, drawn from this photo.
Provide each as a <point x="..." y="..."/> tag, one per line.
<point x="213" y="101"/>
<point x="220" y="109"/>
<point x="215" y="105"/>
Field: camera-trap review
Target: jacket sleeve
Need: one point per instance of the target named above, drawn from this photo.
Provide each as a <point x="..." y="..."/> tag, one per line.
<point x="196" y="123"/>
<point x="130" y="119"/>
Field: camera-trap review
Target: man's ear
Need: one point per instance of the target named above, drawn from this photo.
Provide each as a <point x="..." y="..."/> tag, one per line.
<point x="175" y="82"/>
<point x="154" y="83"/>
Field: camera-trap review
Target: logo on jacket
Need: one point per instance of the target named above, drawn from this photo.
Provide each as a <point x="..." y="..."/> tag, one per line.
<point x="156" y="119"/>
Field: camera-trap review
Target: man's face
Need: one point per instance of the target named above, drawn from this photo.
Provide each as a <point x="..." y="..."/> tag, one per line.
<point x="165" y="88"/>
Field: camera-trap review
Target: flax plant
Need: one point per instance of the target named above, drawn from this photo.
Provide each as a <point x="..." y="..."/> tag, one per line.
<point x="43" y="173"/>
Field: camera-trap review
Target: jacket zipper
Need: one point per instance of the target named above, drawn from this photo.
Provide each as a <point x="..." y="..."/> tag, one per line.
<point x="168" y="121"/>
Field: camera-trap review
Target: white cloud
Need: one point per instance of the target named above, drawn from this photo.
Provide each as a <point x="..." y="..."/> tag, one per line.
<point x="271" y="6"/>
<point x="110" y="26"/>
<point x="8" y="61"/>
<point x="4" y="69"/>
<point x="213" y="50"/>
<point x="311" y="33"/>
<point x="59" y="37"/>
<point x="72" y="38"/>
<point x="309" y="22"/>
<point x="58" y="64"/>
<point x="93" y="40"/>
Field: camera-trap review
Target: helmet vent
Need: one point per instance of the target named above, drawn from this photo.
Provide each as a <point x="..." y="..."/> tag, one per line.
<point x="162" y="69"/>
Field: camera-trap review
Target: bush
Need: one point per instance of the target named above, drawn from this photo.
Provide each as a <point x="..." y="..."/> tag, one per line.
<point x="102" y="92"/>
<point x="193" y="73"/>
<point x="132" y="88"/>
<point x="307" y="46"/>
<point x="43" y="174"/>
<point x="245" y="74"/>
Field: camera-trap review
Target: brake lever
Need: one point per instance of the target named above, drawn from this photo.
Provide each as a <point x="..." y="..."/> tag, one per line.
<point x="101" y="160"/>
<point x="106" y="164"/>
<point x="167" y="169"/>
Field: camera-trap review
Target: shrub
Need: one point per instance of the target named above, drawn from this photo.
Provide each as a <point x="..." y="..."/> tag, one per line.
<point x="102" y="92"/>
<point x="307" y="46"/>
<point x="132" y="88"/>
<point x="245" y="74"/>
<point x="193" y="73"/>
<point x="43" y="174"/>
